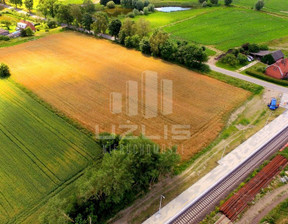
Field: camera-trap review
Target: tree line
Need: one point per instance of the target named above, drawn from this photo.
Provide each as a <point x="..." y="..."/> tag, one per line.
<point x="130" y="33"/>
<point x="128" y="169"/>
<point x="159" y="44"/>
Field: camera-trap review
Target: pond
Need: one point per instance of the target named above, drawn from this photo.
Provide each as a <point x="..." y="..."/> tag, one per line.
<point x="171" y="9"/>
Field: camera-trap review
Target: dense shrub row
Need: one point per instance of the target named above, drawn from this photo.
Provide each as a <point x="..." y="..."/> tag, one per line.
<point x="267" y="78"/>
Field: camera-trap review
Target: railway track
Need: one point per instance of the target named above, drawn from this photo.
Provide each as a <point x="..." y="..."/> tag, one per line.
<point x="205" y="204"/>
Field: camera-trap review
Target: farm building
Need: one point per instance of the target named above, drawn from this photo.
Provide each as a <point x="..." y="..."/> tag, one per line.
<point x="25" y="24"/>
<point x="269" y="57"/>
<point x="4" y="32"/>
<point x="278" y="70"/>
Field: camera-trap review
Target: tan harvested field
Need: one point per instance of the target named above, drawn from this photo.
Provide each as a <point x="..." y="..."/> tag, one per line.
<point x="76" y="74"/>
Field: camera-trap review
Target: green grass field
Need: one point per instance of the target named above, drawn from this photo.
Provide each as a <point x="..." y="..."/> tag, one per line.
<point x="229" y="27"/>
<point x="162" y="19"/>
<point x="40" y="152"/>
<point x="276" y="6"/>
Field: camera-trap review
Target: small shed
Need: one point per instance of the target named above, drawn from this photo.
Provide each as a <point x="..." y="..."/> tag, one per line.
<point x="269" y="57"/>
<point x="4" y="32"/>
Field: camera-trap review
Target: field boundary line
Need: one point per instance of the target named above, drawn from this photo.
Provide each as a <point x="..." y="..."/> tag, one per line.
<point x="54" y="110"/>
<point x="49" y="127"/>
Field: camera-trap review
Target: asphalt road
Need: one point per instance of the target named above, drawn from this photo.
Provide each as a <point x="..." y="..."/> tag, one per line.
<point x="249" y="79"/>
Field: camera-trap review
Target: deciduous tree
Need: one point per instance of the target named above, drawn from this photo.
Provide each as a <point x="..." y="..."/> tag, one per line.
<point x="29" y="5"/>
<point x="87" y="21"/>
<point x="4" y="71"/>
<point x="64" y="15"/>
<point x="114" y="27"/>
<point x="158" y="38"/>
<point x="101" y="24"/>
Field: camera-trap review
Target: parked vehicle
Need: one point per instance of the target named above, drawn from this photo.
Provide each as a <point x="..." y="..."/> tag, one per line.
<point x="273" y="104"/>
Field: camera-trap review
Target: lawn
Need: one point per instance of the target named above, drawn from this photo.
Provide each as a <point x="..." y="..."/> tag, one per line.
<point x="76" y="74"/>
<point x="230" y="27"/>
<point x="40" y="152"/>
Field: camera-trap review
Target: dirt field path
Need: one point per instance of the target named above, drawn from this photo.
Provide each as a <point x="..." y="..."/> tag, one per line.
<point x="264" y="206"/>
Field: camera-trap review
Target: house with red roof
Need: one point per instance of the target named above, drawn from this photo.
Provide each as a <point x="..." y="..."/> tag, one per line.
<point x="278" y="70"/>
<point x="23" y="24"/>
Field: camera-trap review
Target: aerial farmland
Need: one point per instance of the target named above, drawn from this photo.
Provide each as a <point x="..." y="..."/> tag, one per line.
<point x="107" y="106"/>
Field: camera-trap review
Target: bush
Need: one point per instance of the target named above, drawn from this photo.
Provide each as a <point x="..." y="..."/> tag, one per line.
<point x="229" y="59"/>
<point x="136" y="12"/>
<point x="28" y="32"/>
<point x="168" y="50"/>
<point x="242" y="59"/>
<point x="254" y="48"/>
<point x="146" y="11"/>
<point x="151" y="8"/>
<point x="235" y="52"/>
<point x="227" y="2"/>
<point x="110" y="5"/>
<point x="130" y="15"/>
<point x="201" y="1"/>
<point x="4" y="71"/>
<point x="204" y="4"/>
<point x="5" y="38"/>
<point x="268" y="59"/>
<point x="263" y="47"/>
<point x="135" y="39"/>
<point x="214" y="2"/>
<point x="259" y="5"/>
<point x="139" y="5"/>
<point x="128" y="42"/>
<point x="146" y="3"/>
<point x="51" y="24"/>
<point x="145" y="47"/>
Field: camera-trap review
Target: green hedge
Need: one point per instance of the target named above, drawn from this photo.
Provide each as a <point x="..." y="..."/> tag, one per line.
<point x="267" y="78"/>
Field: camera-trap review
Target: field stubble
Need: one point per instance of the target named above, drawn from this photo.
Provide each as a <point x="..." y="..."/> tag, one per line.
<point x="76" y="74"/>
